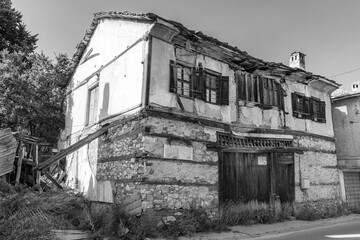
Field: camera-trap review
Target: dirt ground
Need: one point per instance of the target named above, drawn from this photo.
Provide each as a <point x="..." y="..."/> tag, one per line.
<point x="260" y="230"/>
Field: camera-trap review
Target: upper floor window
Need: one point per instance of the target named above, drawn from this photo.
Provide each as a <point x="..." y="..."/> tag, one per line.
<point x="183" y="79"/>
<point x="91" y="117"/>
<point x="317" y="110"/>
<point x="261" y="90"/>
<point x="308" y="108"/>
<point x="199" y="83"/>
<point x="301" y="106"/>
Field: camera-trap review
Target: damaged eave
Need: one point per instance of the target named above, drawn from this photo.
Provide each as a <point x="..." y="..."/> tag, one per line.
<point x="323" y="84"/>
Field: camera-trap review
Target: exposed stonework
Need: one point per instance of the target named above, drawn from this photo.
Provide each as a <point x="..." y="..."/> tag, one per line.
<point x="120" y="170"/>
<point x="169" y="196"/>
<point x="133" y="156"/>
<point x="315" y="144"/>
<point x="318" y="165"/>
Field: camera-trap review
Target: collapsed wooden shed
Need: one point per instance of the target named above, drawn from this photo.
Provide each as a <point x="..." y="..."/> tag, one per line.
<point x="20" y="155"/>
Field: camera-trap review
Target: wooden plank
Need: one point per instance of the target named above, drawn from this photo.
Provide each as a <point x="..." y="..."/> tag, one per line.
<point x="73" y="148"/>
<point x="7" y="151"/>
<point x="52" y="179"/>
<point x="19" y="163"/>
<point x="70" y="234"/>
<point x="36" y="161"/>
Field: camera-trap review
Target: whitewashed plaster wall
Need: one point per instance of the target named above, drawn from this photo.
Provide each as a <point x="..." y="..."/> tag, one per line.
<point x="120" y="86"/>
<point x="162" y="53"/>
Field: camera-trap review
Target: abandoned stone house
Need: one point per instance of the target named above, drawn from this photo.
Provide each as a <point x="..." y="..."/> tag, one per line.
<point x="345" y="107"/>
<point x="191" y="120"/>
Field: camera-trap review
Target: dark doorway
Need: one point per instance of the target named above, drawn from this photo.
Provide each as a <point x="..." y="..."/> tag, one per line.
<point x="256" y="176"/>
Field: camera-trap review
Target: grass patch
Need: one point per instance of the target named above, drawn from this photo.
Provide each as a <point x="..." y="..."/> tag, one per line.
<point x="241" y="213"/>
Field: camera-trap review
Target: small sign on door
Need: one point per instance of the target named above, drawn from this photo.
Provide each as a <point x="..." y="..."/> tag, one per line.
<point x="262" y="160"/>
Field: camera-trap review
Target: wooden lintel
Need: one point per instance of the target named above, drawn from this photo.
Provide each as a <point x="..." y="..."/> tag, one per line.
<point x="259" y="150"/>
<point x="52" y="179"/>
<point x="121" y="158"/>
<point x="181" y="116"/>
<point x="73" y="147"/>
<point x="175" y="137"/>
<point x="181" y="161"/>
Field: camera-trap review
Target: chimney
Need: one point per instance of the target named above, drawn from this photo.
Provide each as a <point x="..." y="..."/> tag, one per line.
<point x="297" y="60"/>
<point x="355" y="86"/>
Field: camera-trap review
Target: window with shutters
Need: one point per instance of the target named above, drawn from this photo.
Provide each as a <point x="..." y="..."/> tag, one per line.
<point x="211" y="87"/>
<point x="199" y="83"/>
<point x="308" y="108"/>
<point x="317" y="110"/>
<point x="257" y="89"/>
<point x="92" y="105"/>
<point x="181" y="78"/>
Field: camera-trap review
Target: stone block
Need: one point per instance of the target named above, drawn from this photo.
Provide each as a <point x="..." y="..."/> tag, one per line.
<point x="178" y="152"/>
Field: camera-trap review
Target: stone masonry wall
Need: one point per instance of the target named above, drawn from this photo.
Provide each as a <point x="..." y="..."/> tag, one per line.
<point x="318" y="164"/>
<point x="166" y="162"/>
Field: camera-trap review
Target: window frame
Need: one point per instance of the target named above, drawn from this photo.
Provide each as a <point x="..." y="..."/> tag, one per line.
<point x="174" y="83"/>
<point x="216" y="89"/>
<point x="309" y="105"/>
<point x="320" y="115"/>
<point x="92" y="119"/>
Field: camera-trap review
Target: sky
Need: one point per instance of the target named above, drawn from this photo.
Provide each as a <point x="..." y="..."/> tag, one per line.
<point x="327" y="31"/>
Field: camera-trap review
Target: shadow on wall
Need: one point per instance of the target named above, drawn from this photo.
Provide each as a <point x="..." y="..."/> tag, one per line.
<point x="340" y="115"/>
<point x="104" y="111"/>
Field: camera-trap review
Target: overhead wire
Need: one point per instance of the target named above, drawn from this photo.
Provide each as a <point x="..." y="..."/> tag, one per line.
<point x="354" y="70"/>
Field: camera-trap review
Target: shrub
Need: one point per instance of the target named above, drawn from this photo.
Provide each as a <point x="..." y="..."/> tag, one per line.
<point x="115" y="224"/>
<point x="321" y="209"/>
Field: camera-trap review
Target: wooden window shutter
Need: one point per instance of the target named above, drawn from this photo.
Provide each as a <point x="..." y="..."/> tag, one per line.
<point x="223" y="98"/>
<point x="249" y="87"/>
<point x="173" y="76"/>
<point x="306" y="107"/>
<point x="311" y="103"/>
<point x="279" y="96"/>
<point x="322" y="112"/>
<point x="294" y="104"/>
<point x="261" y="86"/>
<point x="241" y="86"/>
<point x="199" y="83"/>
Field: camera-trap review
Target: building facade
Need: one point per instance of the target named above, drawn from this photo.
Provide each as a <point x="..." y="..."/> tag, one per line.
<point x="345" y="107"/>
<point x="193" y="121"/>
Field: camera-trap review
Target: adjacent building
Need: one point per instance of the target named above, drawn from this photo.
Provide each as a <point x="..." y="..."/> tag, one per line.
<point x="346" y="117"/>
<point x="193" y="121"/>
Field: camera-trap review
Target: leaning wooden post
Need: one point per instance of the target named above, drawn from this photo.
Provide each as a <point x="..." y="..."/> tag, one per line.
<point x="19" y="164"/>
<point x="37" y="173"/>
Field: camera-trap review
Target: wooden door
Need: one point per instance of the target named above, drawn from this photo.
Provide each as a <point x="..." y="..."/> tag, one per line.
<point x="244" y="176"/>
<point x="283" y="176"/>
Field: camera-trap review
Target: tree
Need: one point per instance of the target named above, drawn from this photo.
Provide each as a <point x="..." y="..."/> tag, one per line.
<point x="13" y="33"/>
<point x="32" y="92"/>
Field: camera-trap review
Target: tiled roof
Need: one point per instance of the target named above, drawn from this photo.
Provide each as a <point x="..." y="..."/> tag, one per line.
<point x="236" y="58"/>
<point x="342" y="93"/>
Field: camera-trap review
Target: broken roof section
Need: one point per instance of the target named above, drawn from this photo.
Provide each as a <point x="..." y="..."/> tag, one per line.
<point x="212" y="47"/>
